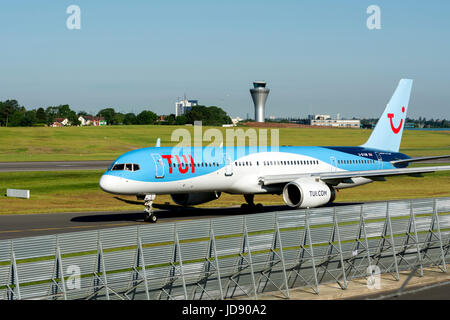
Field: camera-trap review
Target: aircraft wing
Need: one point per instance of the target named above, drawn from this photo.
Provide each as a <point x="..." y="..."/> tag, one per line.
<point x="341" y="176"/>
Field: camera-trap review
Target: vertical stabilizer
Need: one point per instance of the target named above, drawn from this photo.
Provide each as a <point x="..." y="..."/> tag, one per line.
<point x="387" y="134"/>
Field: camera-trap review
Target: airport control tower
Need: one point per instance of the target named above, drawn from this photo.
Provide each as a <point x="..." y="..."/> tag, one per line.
<point x="259" y="94"/>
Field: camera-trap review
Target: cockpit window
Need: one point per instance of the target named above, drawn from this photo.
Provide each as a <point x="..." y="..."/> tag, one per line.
<point x="126" y="167"/>
<point x="118" y="167"/>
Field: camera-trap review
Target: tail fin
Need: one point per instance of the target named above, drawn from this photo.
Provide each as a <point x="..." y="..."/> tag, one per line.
<point x="387" y="134"/>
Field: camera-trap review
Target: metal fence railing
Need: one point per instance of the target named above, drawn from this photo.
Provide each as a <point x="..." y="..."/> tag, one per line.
<point x="231" y="256"/>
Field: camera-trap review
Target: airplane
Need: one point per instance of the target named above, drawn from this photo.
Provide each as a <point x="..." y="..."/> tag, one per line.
<point x="305" y="176"/>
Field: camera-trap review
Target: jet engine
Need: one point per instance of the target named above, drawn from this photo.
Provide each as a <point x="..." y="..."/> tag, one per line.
<point x="191" y="199"/>
<point x="304" y="193"/>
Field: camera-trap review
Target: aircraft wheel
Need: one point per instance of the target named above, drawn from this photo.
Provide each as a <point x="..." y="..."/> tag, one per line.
<point x="259" y="206"/>
<point x="151" y="218"/>
<point x="244" y="206"/>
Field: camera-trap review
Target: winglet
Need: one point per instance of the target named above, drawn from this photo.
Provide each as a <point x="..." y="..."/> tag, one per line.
<point x="158" y="143"/>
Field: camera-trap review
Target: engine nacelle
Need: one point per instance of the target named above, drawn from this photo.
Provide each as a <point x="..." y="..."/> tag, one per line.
<point x="304" y="193"/>
<point x="191" y="199"/>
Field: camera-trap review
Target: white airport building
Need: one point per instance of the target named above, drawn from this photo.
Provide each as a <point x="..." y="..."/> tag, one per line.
<point x="182" y="106"/>
<point x="325" y="120"/>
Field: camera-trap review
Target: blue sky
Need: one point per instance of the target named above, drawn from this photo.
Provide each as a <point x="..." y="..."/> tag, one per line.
<point x="316" y="56"/>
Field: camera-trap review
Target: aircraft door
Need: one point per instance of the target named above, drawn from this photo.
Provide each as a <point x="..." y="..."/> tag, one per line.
<point x="380" y="160"/>
<point x="159" y="165"/>
<point x="333" y="164"/>
<point x="228" y="167"/>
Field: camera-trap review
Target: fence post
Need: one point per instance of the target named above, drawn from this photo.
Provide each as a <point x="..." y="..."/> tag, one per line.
<point x="388" y="217"/>
<point x="336" y="226"/>
<point x="60" y="268"/>
<point x="250" y="262"/>
<point x="312" y="250"/>
<point x="278" y="235"/>
<point x="363" y="222"/>
<point x="140" y="256"/>
<point x="212" y="243"/>
<point x="178" y="249"/>
<point x="416" y="237"/>
<point x="13" y="278"/>
<point x="436" y="216"/>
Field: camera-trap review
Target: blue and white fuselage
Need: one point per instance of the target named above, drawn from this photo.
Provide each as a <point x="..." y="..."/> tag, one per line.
<point x="237" y="171"/>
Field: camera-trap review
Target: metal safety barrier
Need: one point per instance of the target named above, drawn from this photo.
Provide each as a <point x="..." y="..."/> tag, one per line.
<point x="222" y="258"/>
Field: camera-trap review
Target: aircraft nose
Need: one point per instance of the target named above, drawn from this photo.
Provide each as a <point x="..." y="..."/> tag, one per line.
<point x="110" y="183"/>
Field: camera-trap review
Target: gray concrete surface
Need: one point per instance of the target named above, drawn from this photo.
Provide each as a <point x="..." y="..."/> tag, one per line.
<point x="54" y="165"/>
<point x="27" y="225"/>
<point x="425" y="287"/>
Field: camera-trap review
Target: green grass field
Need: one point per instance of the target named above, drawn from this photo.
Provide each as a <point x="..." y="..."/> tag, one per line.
<point x="78" y="190"/>
<point x="106" y="143"/>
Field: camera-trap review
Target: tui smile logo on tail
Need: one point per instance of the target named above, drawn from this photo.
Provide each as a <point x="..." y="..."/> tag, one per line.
<point x="391" y="116"/>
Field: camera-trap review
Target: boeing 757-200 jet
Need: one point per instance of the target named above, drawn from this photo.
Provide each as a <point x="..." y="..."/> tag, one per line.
<point x="305" y="176"/>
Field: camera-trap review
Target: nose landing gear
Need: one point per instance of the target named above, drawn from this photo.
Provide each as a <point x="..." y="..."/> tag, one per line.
<point x="150" y="215"/>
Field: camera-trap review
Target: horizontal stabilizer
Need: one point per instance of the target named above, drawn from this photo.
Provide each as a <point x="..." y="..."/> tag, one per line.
<point x="418" y="159"/>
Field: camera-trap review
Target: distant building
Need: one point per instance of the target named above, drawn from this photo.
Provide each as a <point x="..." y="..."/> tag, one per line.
<point x="60" y="122"/>
<point x="322" y="117"/>
<point x="92" y="121"/>
<point x="162" y="118"/>
<point x="336" y="123"/>
<point x="236" y="120"/>
<point x="82" y="120"/>
<point x="182" y="106"/>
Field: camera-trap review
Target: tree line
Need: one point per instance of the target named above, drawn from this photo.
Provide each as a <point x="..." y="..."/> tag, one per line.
<point x="14" y="115"/>
<point x="416" y="123"/>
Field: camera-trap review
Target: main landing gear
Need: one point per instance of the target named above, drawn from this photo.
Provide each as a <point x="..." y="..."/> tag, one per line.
<point x="250" y="205"/>
<point x="150" y="215"/>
